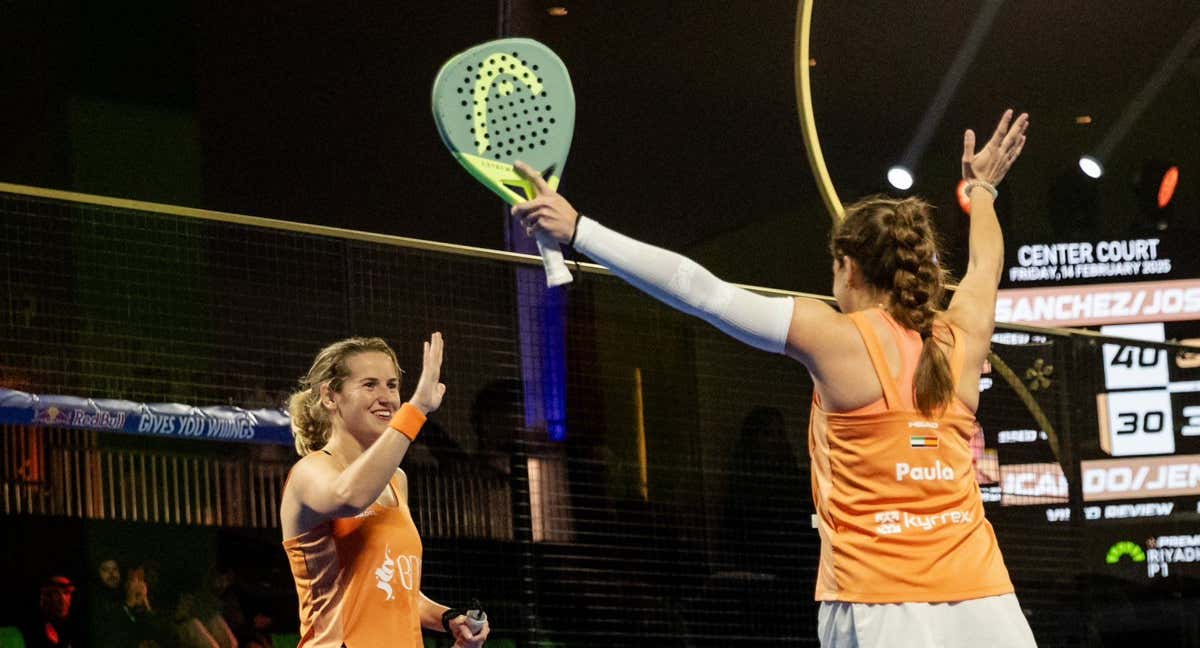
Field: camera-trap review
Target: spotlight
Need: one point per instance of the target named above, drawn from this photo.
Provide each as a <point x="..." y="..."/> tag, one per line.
<point x="900" y="178"/>
<point x="1166" y="188"/>
<point x="964" y="201"/>
<point x="1155" y="187"/>
<point x="1091" y="167"/>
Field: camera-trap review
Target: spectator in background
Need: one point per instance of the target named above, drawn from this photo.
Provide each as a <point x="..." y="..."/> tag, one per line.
<point x="52" y="626"/>
<point x="259" y="634"/>
<point x="195" y="627"/>
<point x="134" y="623"/>
<point x="104" y="598"/>
<point x="218" y="608"/>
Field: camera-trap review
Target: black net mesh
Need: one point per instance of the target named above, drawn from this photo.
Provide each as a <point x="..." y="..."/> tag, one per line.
<point x="605" y="471"/>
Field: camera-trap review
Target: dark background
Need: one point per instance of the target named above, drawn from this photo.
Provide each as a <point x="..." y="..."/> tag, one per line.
<point x="687" y="132"/>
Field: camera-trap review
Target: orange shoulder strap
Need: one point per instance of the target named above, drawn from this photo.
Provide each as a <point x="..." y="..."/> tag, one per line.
<point x="891" y="395"/>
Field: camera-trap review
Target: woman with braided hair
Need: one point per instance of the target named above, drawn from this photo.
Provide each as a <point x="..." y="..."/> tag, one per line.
<point x="907" y="557"/>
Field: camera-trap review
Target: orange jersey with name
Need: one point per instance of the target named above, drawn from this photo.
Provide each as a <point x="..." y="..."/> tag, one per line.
<point x="359" y="579"/>
<point x="898" y="509"/>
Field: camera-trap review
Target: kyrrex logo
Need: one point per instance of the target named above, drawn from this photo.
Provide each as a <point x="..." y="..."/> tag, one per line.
<point x="1125" y="548"/>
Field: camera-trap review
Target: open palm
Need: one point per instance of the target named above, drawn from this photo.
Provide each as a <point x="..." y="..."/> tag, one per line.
<point x="991" y="163"/>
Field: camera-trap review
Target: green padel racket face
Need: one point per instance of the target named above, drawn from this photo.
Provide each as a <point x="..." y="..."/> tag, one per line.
<point x="506" y="100"/>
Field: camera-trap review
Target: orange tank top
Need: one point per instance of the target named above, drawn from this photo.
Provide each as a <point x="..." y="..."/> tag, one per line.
<point x="898" y="509"/>
<point x="359" y="579"/>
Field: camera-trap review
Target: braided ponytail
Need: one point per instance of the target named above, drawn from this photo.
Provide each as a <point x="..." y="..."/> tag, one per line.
<point x="894" y="243"/>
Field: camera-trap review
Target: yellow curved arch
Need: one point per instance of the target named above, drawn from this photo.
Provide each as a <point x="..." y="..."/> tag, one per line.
<point x="808" y="122"/>
<point x="816" y="161"/>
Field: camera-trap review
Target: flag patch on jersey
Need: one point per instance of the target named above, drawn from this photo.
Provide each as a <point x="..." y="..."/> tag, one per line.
<point x="923" y="441"/>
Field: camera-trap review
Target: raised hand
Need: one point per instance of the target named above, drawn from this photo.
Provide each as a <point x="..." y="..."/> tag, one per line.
<point x="993" y="161"/>
<point x="549" y="211"/>
<point x="429" y="392"/>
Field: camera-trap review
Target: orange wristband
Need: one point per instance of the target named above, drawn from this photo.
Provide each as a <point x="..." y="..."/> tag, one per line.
<point x="407" y="421"/>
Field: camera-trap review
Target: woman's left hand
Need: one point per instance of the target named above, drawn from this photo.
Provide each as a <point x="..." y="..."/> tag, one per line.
<point x="463" y="638"/>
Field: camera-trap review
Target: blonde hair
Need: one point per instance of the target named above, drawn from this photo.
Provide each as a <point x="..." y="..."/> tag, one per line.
<point x="311" y="425"/>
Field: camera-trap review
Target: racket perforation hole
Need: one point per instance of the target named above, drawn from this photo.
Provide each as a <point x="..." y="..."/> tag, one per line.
<point x="542" y="142"/>
<point x="508" y="153"/>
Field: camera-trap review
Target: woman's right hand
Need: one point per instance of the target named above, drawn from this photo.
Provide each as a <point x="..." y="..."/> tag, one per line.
<point x="992" y="162"/>
<point x="429" y="392"/>
<point x="548" y="212"/>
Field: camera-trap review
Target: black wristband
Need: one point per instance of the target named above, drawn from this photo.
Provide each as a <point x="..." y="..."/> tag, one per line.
<point x="575" y="232"/>
<point x="450" y="614"/>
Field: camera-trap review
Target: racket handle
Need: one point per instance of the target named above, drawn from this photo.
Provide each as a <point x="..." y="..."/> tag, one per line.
<point x="475" y="620"/>
<point x="552" y="258"/>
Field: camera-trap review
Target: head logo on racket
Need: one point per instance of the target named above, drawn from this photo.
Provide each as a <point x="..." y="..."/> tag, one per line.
<point x="506" y="100"/>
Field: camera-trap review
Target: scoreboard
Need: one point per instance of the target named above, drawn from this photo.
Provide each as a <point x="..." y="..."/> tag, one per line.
<point x="1138" y="444"/>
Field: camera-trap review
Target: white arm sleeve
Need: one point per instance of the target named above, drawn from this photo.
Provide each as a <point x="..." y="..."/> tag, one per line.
<point x="761" y="322"/>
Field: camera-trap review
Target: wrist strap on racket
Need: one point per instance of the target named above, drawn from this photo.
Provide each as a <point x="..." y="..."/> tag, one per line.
<point x="476" y="617"/>
<point x="575" y="232"/>
<point x="408" y="421"/>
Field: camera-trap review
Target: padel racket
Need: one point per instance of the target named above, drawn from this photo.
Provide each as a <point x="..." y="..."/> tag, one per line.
<point x="506" y="100"/>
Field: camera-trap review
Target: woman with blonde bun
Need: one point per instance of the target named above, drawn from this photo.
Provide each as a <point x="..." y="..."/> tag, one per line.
<point x="354" y="551"/>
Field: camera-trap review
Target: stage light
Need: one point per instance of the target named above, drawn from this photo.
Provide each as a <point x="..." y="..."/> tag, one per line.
<point x="1091" y="167"/>
<point x="1166" y="188"/>
<point x="1154" y="186"/>
<point x="900" y="178"/>
<point x="964" y="201"/>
